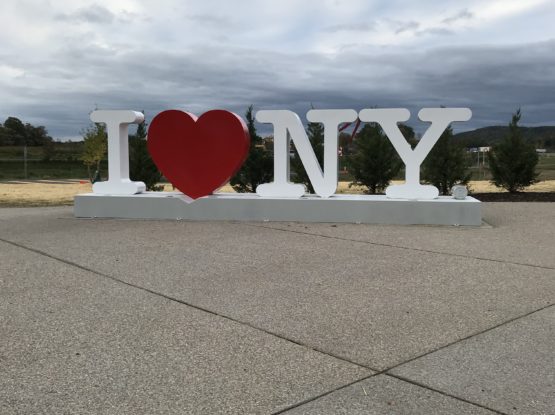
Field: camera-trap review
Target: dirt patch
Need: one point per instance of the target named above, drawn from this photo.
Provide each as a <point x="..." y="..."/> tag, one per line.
<point x="41" y="192"/>
<point x="516" y="197"/>
<point x="17" y="193"/>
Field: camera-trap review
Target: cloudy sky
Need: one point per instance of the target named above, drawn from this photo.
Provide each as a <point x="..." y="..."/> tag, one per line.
<point x="59" y="59"/>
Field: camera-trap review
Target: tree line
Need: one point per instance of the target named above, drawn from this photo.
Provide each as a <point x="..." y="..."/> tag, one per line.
<point x="540" y="137"/>
<point x="13" y="132"/>
<point x="373" y="162"/>
<point x="369" y="156"/>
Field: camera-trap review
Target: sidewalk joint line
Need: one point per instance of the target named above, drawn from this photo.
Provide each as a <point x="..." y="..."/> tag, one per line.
<point x="470" y="336"/>
<point x="177" y="300"/>
<point x="429" y="251"/>
<point x="404" y="379"/>
<point x="401" y="378"/>
<point x="377" y="372"/>
<point x="314" y="398"/>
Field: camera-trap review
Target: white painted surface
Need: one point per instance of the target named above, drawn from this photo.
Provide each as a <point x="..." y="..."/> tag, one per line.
<point x="250" y="207"/>
<point x="117" y="126"/>
<point x="440" y="118"/>
<point x="288" y="126"/>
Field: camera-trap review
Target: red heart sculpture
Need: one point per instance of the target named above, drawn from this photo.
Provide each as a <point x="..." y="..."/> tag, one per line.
<point x="200" y="155"/>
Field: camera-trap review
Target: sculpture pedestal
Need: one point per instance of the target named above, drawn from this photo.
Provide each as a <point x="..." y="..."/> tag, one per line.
<point x="250" y="207"/>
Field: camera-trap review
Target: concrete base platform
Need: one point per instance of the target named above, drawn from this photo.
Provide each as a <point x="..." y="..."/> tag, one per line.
<point x="250" y="207"/>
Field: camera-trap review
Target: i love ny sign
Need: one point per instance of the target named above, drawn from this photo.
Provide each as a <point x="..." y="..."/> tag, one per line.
<point x="198" y="155"/>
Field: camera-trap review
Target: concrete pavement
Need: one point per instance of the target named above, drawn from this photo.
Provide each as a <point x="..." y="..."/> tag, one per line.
<point x="143" y="317"/>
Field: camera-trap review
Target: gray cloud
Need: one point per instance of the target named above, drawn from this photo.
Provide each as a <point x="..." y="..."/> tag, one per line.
<point x="210" y="19"/>
<point x="92" y="14"/>
<point x="435" y="31"/>
<point x="492" y="81"/>
<point x="198" y="56"/>
<point x="464" y="14"/>
<point x="439" y="30"/>
<point x="352" y="27"/>
<point x="401" y="27"/>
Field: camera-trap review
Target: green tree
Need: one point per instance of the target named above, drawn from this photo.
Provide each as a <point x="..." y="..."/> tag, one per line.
<point x="36" y="136"/>
<point x="259" y="165"/>
<point x="374" y="162"/>
<point x="408" y="133"/>
<point x="513" y="161"/>
<point x="15" y="131"/>
<point x="447" y="164"/>
<point x="344" y="142"/>
<point x="5" y="139"/>
<point x="141" y="166"/>
<point x="315" y="133"/>
<point x="94" y="149"/>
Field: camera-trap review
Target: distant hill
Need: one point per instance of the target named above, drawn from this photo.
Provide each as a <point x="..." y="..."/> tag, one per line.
<point x="541" y="137"/>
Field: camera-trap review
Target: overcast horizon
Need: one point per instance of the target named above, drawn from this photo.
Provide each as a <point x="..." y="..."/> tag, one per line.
<point x="61" y="59"/>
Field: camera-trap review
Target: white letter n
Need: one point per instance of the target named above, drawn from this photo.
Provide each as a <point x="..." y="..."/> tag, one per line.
<point x="288" y="126"/>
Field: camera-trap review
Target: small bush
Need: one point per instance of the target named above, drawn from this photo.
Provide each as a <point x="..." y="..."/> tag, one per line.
<point x="447" y="164"/>
<point x="513" y="161"/>
<point x="141" y="166"/>
<point x="258" y="168"/>
<point x="374" y="162"/>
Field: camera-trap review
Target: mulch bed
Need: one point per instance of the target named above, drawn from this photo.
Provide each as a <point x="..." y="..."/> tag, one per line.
<point x="515" y="197"/>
